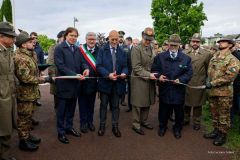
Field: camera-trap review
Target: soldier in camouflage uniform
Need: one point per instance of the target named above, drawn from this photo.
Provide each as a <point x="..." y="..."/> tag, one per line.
<point x="26" y="70"/>
<point x="52" y="69"/>
<point x="7" y="88"/>
<point x="223" y="69"/>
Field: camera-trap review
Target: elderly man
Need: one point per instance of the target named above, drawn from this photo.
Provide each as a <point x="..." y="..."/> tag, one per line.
<point x="7" y="87"/>
<point x="142" y="87"/>
<point x="223" y="69"/>
<point x="112" y="68"/>
<point x="195" y="98"/>
<point x="87" y="95"/>
<point x="172" y="67"/>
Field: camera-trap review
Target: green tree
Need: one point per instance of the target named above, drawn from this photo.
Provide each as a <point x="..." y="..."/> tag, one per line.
<point x="6" y="11"/>
<point x="184" y="17"/>
<point x="45" y="42"/>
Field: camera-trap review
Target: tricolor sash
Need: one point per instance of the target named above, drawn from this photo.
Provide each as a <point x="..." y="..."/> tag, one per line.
<point x="88" y="56"/>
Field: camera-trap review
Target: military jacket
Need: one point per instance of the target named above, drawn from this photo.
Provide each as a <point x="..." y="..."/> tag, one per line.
<point x="7" y="91"/>
<point x="27" y="74"/>
<point x="223" y="69"/>
<point x="200" y="61"/>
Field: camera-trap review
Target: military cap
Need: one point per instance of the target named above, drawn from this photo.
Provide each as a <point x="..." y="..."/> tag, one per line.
<point x="60" y="34"/>
<point x="174" y="39"/>
<point x="148" y="34"/>
<point x="227" y="38"/>
<point x="7" y="29"/>
<point x="121" y="33"/>
<point x="196" y="37"/>
<point x="165" y="42"/>
<point x="22" y="38"/>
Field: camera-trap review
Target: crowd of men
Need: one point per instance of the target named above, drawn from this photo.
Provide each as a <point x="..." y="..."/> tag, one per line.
<point x="120" y="66"/>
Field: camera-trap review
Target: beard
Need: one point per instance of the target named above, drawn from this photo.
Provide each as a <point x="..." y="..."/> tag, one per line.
<point x="222" y="48"/>
<point x="30" y="49"/>
<point x="195" y="47"/>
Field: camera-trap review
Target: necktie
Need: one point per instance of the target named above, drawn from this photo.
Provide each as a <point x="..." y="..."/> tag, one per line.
<point x="173" y="55"/>
<point x="72" y="48"/>
<point x="114" y="58"/>
<point x="90" y="50"/>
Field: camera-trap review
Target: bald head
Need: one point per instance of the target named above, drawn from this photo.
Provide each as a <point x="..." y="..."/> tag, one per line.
<point x="113" y="38"/>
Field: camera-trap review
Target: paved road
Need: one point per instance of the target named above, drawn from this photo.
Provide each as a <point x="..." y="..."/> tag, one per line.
<point x="129" y="147"/>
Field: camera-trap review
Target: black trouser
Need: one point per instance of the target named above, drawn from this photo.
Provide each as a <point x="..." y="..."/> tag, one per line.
<point x="129" y="94"/>
<point x="164" y="112"/>
<point x="113" y="100"/>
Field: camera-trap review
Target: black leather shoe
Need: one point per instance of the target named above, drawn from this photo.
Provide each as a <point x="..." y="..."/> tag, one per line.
<point x="63" y="139"/>
<point x="101" y="131"/>
<point x="38" y="103"/>
<point x="35" y="122"/>
<point x="34" y="139"/>
<point x="9" y="158"/>
<point x="196" y="127"/>
<point x="177" y="133"/>
<point x="73" y="132"/>
<point x="220" y="140"/>
<point x="138" y="131"/>
<point x="129" y="110"/>
<point x="211" y="135"/>
<point x="147" y="125"/>
<point x="91" y="127"/>
<point x="161" y="132"/>
<point x="116" y="132"/>
<point x="26" y="145"/>
<point x="84" y="128"/>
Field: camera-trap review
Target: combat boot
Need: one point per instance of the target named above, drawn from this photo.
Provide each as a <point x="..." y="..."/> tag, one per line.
<point x="220" y="140"/>
<point x="34" y="139"/>
<point x="211" y="135"/>
<point x="26" y="145"/>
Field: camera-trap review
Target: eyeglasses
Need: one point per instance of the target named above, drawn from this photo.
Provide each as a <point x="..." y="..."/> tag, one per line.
<point x="91" y="39"/>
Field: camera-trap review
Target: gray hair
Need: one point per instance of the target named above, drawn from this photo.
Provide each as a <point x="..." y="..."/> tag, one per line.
<point x="91" y="34"/>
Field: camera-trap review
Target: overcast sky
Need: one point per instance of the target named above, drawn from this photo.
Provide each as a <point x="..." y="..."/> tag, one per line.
<point x="50" y="16"/>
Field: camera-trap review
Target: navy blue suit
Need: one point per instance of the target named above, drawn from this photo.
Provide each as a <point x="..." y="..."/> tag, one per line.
<point x="68" y="63"/>
<point x="172" y="95"/>
<point x="40" y="54"/>
<point x="110" y="90"/>
<point x="87" y="94"/>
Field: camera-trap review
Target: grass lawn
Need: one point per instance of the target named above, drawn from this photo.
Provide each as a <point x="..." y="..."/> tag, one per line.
<point x="233" y="138"/>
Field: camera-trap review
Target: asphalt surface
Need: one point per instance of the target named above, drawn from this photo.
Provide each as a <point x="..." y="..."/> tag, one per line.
<point x="131" y="146"/>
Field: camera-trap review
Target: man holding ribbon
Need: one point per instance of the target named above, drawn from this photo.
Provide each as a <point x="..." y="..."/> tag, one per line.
<point x="112" y="69"/>
<point x="87" y="95"/>
<point x="173" y="69"/>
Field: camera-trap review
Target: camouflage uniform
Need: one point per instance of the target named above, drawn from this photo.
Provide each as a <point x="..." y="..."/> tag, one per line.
<point x="28" y="90"/>
<point x="223" y="69"/>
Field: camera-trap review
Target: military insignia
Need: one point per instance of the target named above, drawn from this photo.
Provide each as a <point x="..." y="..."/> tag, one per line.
<point x="233" y="70"/>
<point x="149" y="32"/>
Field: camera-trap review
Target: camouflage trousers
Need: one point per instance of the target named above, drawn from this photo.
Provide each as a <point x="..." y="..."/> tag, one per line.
<point x="4" y="146"/>
<point x="24" y="122"/>
<point x="220" y="110"/>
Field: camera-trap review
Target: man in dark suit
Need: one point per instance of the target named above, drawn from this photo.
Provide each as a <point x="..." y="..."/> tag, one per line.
<point x="69" y="62"/>
<point x="129" y="46"/>
<point x="87" y="95"/>
<point x="125" y="48"/>
<point x="172" y="67"/>
<point x="112" y="68"/>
